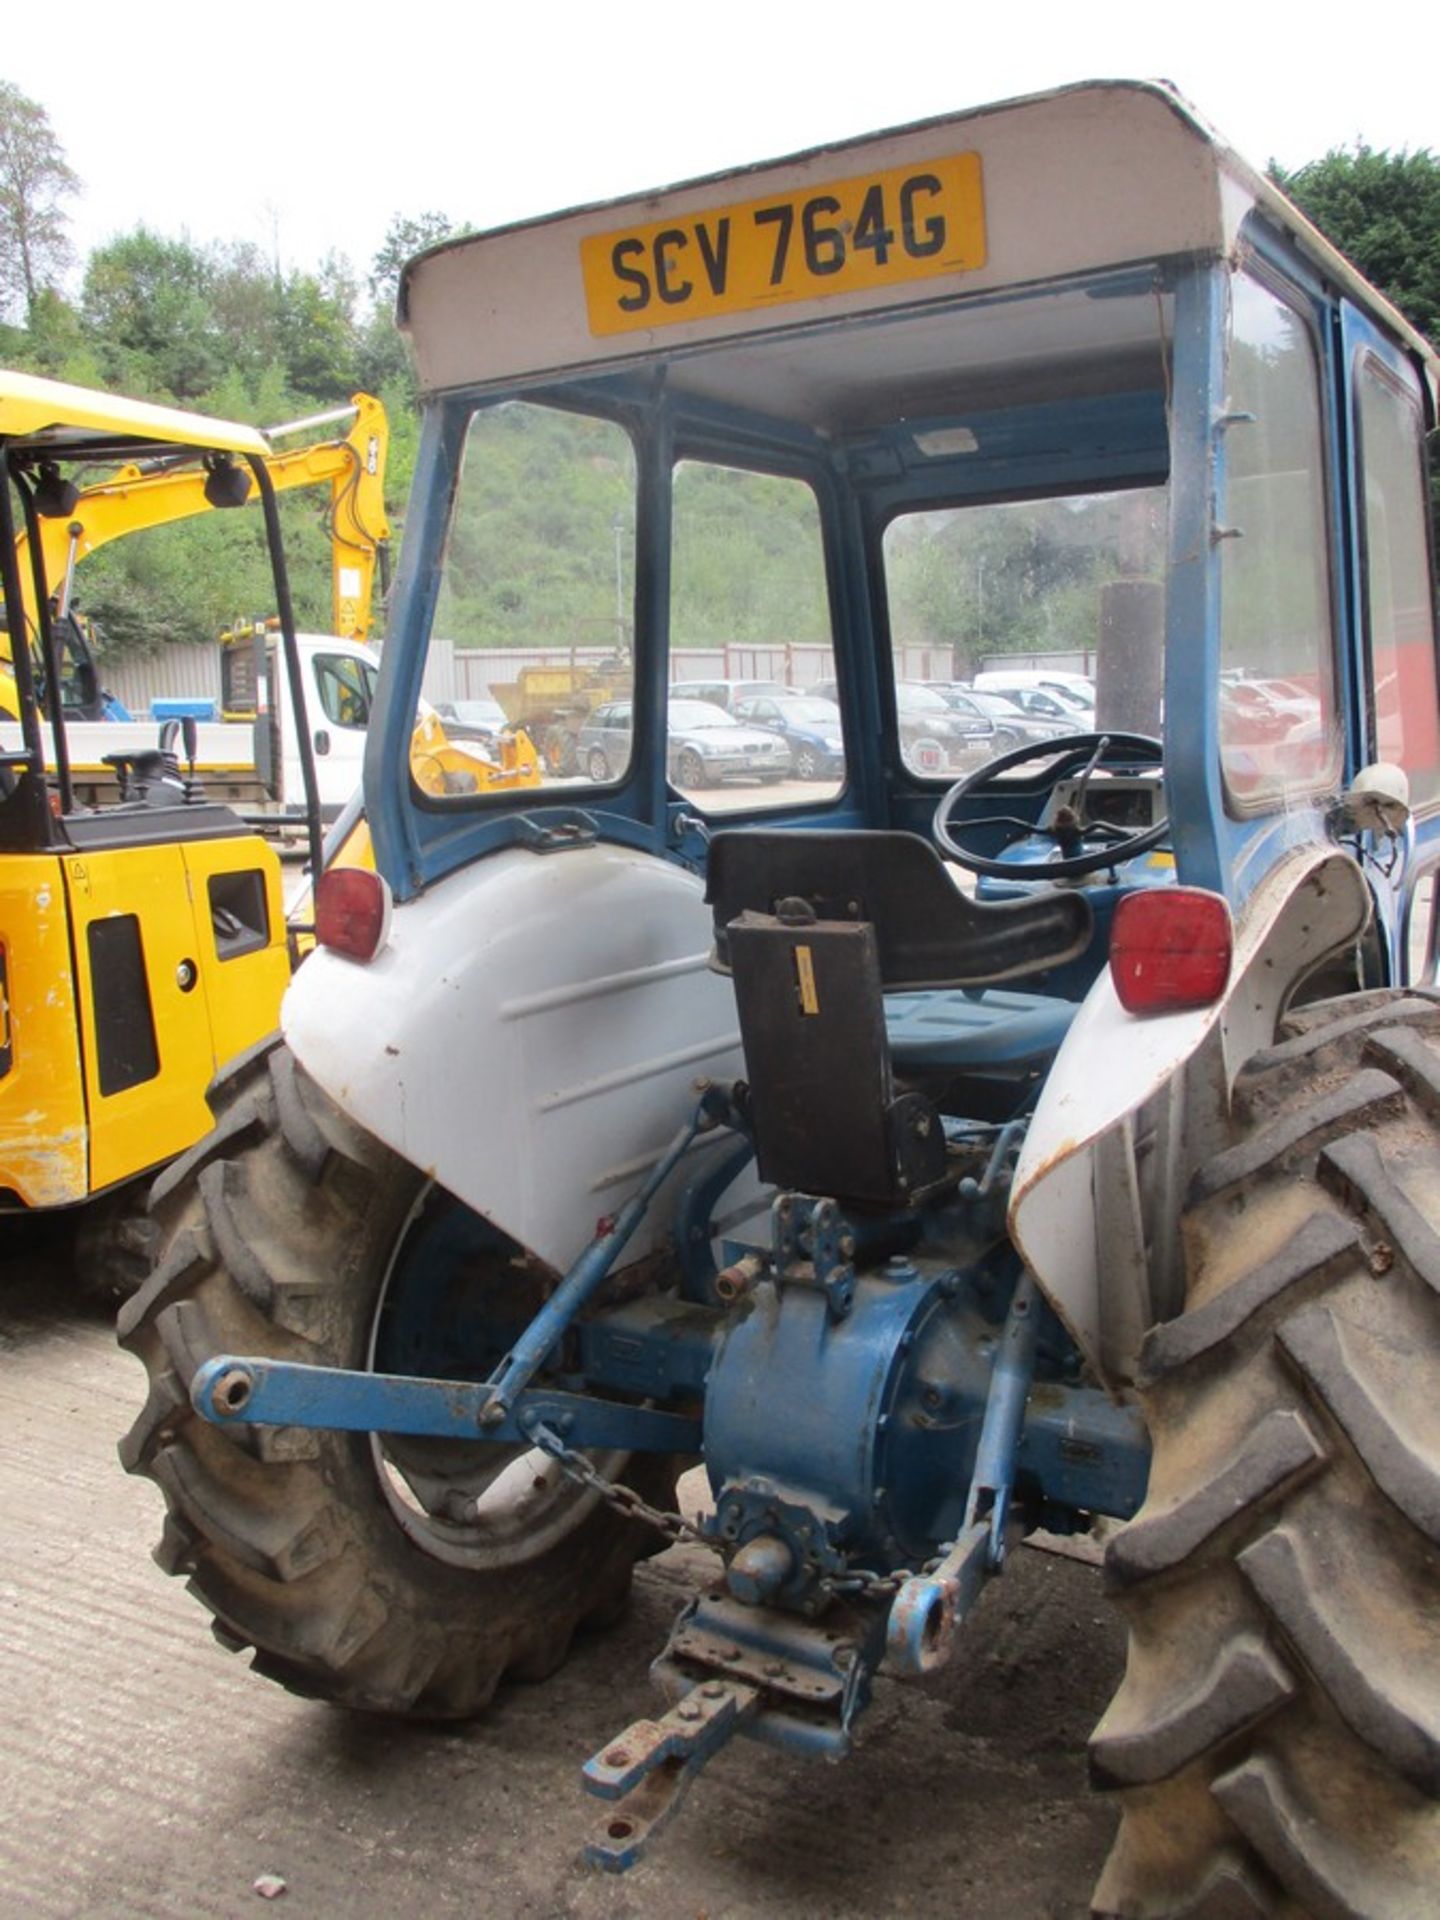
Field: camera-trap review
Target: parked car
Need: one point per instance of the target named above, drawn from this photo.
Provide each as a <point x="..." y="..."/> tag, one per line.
<point x="928" y="722"/>
<point x="1267" y="709"/>
<point x="726" y="693"/>
<point x="809" y="726"/>
<point x="477" y="719"/>
<point x="1051" y="695"/>
<point x="705" y="745"/>
<point x="1043" y="703"/>
<point x="932" y="737"/>
<point x="1014" y="727"/>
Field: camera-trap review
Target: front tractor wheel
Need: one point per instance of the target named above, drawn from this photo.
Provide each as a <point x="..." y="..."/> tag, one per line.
<point x="393" y="1574"/>
<point x="1276" y="1739"/>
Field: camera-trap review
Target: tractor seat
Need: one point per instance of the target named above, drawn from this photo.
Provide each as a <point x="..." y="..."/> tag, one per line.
<point x="993" y="1032"/>
<point x="874" y="996"/>
<point x="928" y="933"/>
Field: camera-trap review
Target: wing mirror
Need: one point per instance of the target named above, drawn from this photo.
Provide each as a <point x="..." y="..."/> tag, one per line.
<point x="1378" y="798"/>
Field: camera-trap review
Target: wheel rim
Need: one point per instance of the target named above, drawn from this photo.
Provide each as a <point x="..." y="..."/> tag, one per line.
<point x="691" y="771"/>
<point x="454" y="1297"/>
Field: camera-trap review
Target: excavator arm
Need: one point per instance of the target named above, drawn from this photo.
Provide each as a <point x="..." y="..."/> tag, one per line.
<point x="155" y="494"/>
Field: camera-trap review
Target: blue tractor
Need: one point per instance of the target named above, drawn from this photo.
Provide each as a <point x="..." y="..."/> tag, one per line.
<point x="934" y="1159"/>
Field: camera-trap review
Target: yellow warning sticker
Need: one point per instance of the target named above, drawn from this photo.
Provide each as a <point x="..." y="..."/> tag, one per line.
<point x="805" y="980"/>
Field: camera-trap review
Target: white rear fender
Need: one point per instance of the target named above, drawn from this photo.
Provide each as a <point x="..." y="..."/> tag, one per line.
<point x="1133" y="1105"/>
<point x="530" y="1036"/>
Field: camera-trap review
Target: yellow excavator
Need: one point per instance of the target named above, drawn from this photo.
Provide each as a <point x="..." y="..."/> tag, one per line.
<point x="159" y="489"/>
<point x="247" y="755"/>
<point x="143" y="944"/>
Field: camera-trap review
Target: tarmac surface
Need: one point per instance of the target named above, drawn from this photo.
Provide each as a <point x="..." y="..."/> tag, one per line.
<point x="148" y="1773"/>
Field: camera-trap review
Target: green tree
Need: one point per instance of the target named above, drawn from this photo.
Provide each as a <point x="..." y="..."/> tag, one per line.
<point x="1382" y="210"/>
<point x="407" y="234"/>
<point x="171" y="320"/>
<point x="147" y="305"/>
<point x="34" y="180"/>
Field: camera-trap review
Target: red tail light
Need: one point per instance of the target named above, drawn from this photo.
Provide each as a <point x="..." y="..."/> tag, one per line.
<point x="352" y="912"/>
<point x="1170" y="948"/>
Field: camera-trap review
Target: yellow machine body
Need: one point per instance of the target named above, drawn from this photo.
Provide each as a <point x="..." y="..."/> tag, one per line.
<point x="129" y="978"/>
<point x="141" y="945"/>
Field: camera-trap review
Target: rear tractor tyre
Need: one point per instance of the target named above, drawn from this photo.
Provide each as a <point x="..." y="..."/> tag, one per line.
<point x="388" y="1574"/>
<point x="1275" y="1742"/>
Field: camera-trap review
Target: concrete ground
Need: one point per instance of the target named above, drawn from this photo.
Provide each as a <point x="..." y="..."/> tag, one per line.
<point x="147" y="1773"/>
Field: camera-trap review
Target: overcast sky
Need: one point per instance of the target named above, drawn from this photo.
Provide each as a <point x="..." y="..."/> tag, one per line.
<point x="305" y="128"/>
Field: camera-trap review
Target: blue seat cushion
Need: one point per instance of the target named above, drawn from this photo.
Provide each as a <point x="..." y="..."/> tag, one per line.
<point x="962" y="1031"/>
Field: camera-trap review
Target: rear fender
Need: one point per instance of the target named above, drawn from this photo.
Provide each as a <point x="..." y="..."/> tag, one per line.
<point x="530" y="1037"/>
<point x="1134" y="1104"/>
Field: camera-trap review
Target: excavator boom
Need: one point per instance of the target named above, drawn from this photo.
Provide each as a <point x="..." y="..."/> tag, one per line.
<point x="154" y="494"/>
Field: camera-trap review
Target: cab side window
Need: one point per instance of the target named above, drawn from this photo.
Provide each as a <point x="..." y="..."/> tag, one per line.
<point x="1399" y="609"/>
<point x="749" y="599"/>
<point x="346" y="687"/>
<point x="1279" y="717"/>
<point x="537" y="593"/>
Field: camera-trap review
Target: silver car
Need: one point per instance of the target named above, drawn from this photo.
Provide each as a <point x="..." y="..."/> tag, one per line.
<point x="705" y="746"/>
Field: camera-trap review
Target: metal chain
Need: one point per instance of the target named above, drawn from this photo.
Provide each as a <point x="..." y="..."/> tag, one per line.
<point x="625" y="1500"/>
<point x="856" y="1583"/>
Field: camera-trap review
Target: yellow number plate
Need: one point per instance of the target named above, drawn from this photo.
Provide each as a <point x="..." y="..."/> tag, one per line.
<point x="851" y="236"/>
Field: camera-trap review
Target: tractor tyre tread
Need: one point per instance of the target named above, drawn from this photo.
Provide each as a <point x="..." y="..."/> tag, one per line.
<point x="283" y="1534"/>
<point x="1276" y="1737"/>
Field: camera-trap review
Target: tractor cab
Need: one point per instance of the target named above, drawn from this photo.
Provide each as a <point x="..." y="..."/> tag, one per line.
<point x="924" y="1138"/>
<point x="893" y="413"/>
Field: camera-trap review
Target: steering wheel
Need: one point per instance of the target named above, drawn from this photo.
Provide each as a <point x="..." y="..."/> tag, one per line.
<point x="1069" y="829"/>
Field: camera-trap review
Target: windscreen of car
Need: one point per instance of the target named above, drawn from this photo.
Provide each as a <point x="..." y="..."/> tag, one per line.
<point x="820" y="713"/>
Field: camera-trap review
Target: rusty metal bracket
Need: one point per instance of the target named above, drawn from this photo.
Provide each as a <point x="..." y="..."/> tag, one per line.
<point x="647" y="1771"/>
<point x="928" y="1610"/>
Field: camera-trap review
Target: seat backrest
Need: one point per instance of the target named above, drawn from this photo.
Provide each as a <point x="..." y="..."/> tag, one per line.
<point x="927" y="932"/>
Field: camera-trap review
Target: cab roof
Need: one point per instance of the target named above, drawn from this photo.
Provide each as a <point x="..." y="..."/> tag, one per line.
<point x="40" y="417"/>
<point x="1078" y="185"/>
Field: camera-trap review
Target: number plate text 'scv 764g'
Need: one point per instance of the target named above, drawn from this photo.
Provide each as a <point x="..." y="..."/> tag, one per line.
<point x="850" y="236"/>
